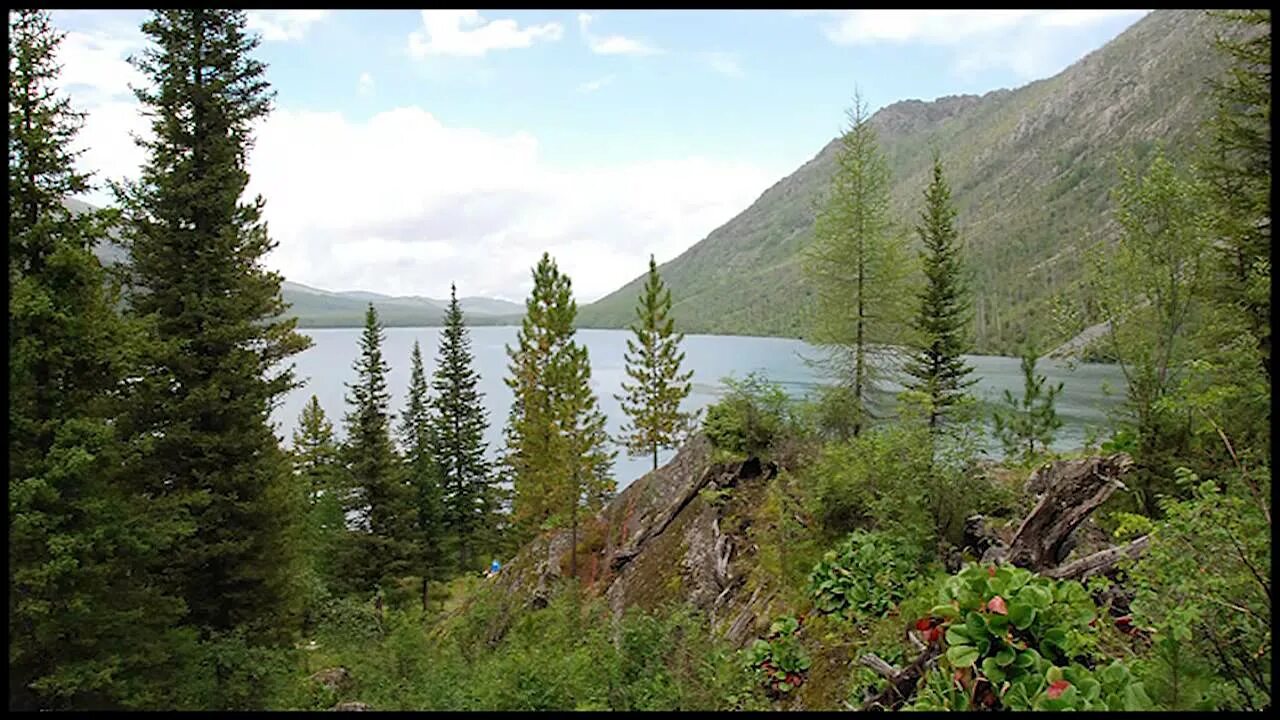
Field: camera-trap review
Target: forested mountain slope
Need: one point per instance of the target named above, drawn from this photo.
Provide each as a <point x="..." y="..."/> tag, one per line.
<point x="1030" y="170"/>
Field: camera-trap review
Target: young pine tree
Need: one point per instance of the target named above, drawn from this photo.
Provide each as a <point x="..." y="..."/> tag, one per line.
<point x="88" y="626"/>
<point x="317" y="463"/>
<point x="1027" y="427"/>
<point x="214" y="359"/>
<point x="422" y="471"/>
<point x="555" y="435"/>
<point x="458" y="422"/>
<point x="383" y="545"/>
<point x="653" y="361"/>
<point x="938" y="368"/>
<point x="859" y="267"/>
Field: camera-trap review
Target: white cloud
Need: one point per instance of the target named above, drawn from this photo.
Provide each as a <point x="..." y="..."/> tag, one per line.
<point x="364" y="85"/>
<point x="405" y="204"/>
<point x="97" y="61"/>
<point x="612" y="44"/>
<point x="465" y="33"/>
<point x="593" y="85"/>
<point x="284" y="25"/>
<point x="1024" y="41"/>
<point x="401" y="203"/>
<point x="724" y="63"/>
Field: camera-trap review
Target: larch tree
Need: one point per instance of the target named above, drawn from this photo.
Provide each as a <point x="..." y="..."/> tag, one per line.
<point x="87" y="627"/>
<point x="381" y="547"/>
<point x="555" y="433"/>
<point x="216" y="351"/>
<point x="859" y="268"/>
<point x="422" y="472"/>
<point x="587" y="463"/>
<point x="458" y="421"/>
<point x="652" y="401"/>
<point x="533" y="448"/>
<point x="938" y="368"/>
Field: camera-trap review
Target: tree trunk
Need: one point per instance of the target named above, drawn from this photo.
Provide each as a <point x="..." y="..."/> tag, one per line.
<point x="655" y="456"/>
<point x="426" y="601"/>
<point x="1072" y="490"/>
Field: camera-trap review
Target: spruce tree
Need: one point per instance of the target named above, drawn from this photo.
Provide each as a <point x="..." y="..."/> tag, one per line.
<point x="422" y="471"/>
<point x="317" y="463"/>
<point x="88" y="629"/>
<point x="941" y="323"/>
<point x="215" y="355"/>
<point x="653" y="361"/>
<point x="1238" y="170"/>
<point x="459" y="423"/>
<point x="555" y="433"/>
<point x="859" y="268"/>
<point x="1027" y="426"/>
<point x="382" y="546"/>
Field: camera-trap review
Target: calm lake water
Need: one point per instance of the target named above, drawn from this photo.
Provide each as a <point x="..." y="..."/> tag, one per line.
<point x="327" y="366"/>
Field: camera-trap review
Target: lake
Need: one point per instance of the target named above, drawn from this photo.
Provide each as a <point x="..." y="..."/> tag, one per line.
<point x="327" y="366"/>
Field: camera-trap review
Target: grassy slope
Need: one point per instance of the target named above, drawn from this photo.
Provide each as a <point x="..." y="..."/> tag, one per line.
<point x="1030" y="171"/>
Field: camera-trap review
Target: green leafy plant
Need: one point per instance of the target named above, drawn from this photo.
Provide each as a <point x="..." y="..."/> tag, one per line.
<point x="1015" y="640"/>
<point x="780" y="661"/>
<point x="866" y="575"/>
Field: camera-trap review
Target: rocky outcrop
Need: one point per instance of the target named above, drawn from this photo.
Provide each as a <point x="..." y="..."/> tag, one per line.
<point x="665" y="538"/>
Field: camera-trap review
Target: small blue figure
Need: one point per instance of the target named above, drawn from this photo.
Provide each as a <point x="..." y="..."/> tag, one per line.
<point x="494" y="567"/>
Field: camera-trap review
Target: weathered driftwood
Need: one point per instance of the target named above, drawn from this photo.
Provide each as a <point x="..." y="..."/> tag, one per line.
<point x="901" y="684"/>
<point x="1100" y="562"/>
<point x="1072" y="489"/>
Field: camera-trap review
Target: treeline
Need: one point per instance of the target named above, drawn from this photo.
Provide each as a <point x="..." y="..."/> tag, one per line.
<point x="165" y="550"/>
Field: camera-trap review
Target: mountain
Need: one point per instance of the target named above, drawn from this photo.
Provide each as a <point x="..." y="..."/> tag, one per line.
<point x="324" y="308"/>
<point x="1030" y="171"/>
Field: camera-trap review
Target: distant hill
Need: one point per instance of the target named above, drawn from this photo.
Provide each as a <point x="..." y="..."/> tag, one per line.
<point x="1030" y="171"/>
<point x="324" y="308"/>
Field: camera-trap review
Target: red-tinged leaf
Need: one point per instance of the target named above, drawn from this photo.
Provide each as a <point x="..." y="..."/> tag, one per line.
<point x="991" y="571"/>
<point x="1124" y="620"/>
<point x="932" y="634"/>
<point x="1057" y="688"/>
<point x="924" y="624"/>
<point x="997" y="606"/>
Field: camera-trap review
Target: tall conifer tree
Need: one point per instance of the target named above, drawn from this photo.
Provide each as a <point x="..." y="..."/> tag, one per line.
<point x="938" y="368"/>
<point x="214" y="357"/>
<point x="859" y="267"/>
<point x="417" y="437"/>
<point x="653" y="361"/>
<point x="87" y="627"/>
<point x="459" y="423"/>
<point x="382" y="547"/>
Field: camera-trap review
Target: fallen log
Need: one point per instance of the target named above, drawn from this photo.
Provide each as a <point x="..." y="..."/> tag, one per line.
<point x="1100" y="562"/>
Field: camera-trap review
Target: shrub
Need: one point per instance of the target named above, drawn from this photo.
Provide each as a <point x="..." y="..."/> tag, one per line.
<point x="1203" y="586"/>
<point x="751" y="416"/>
<point x="866" y="575"/>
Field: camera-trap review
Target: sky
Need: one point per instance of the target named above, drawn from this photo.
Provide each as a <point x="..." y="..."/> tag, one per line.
<point x="408" y="150"/>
